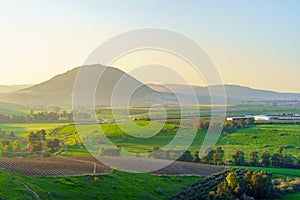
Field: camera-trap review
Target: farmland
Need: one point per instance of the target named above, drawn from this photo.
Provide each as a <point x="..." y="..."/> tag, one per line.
<point x="255" y="137"/>
<point x="47" y="175"/>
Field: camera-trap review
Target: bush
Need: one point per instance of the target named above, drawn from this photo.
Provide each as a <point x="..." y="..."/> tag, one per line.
<point x="109" y="151"/>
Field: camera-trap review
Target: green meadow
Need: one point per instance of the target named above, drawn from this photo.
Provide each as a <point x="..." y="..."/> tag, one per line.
<point x="116" y="185"/>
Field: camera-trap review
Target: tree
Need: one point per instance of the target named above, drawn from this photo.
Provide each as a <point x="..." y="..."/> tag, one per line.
<point x="12" y="134"/>
<point x="186" y="157"/>
<point x="266" y="159"/>
<point x="6" y="147"/>
<point x="218" y="154"/>
<point x="287" y="161"/>
<point x="253" y="158"/>
<point x="35" y="142"/>
<point x="239" y="158"/>
<point x="276" y="160"/>
<point x="208" y="155"/>
<point x="203" y="125"/>
<point x="261" y="186"/>
<point x="17" y="146"/>
<point x="52" y="145"/>
<point x="229" y="189"/>
<point x="279" y="150"/>
<point x="196" y="157"/>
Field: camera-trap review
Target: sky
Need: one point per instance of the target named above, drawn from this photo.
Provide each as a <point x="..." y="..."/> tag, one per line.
<point x="252" y="43"/>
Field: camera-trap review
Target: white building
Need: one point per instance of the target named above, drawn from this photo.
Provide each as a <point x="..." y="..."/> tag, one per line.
<point x="262" y="117"/>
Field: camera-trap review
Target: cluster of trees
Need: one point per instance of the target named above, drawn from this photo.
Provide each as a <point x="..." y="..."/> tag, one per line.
<point x="37" y="143"/>
<point x="7" y="149"/>
<point x="3" y="133"/>
<point x="171" y="154"/>
<point x="257" y="184"/>
<point x="239" y="183"/>
<point x="36" y="117"/>
<point x="213" y="156"/>
<point x="229" y="126"/>
<point x="278" y="159"/>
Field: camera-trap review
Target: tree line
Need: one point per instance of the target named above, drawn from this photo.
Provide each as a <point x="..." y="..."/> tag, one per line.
<point x="278" y="159"/>
<point x="36" y="117"/>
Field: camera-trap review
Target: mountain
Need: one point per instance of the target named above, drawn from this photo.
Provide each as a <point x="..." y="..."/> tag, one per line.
<point x="58" y="90"/>
<point x="234" y="93"/>
<point x="12" y="88"/>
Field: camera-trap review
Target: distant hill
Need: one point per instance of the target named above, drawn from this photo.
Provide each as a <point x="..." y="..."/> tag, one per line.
<point x="58" y="91"/>
<point x="12" y="88"/>
<point x="234" y="93"/>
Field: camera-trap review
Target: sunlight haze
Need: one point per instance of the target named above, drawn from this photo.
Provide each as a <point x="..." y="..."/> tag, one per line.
<point x="256" y="45"/>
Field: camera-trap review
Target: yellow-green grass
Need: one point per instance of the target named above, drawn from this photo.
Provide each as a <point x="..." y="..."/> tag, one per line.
<point x="23" y="129"/>
<point x="267" y="138"/>
<point x="264" y="137"/>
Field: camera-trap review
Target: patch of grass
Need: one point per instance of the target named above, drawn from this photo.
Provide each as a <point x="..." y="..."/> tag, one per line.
<point x="276" y="172"/>
<point x="291" y="196"/>
<point x="23" y="129"/>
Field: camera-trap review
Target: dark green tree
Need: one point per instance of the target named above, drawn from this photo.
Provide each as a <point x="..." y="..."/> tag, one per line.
<point x="218" y="154"/>
<point x="266" y="159"/>
<point x="239" y="158"/>
<point x="253" y="158"/>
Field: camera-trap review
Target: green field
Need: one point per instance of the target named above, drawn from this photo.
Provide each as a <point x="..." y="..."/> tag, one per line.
<point x="22" y="129"/>
<point x="276" y="172"/>
<point x="267" y="137"/>
<point x="116" y="185"/>
<point x="255" y="137"/>
<point x="294" y="196"/>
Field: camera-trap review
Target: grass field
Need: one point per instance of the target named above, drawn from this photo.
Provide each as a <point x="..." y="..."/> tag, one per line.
<point x="116" y="185"/>
<point x="267" y="137"/>
<point x="264" y="137"/>
<point x="277" y="172"/>
<point x="22" y="130"/>
<point x="256" y="137"/>
<point x="294" y="196"/>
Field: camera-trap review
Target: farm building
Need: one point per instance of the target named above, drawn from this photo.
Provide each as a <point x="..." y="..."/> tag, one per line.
<point x="262" y="117"/>
<point x="238" y="118"/>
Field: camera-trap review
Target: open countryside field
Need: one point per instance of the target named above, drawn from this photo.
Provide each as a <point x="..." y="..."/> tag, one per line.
<point x="276" y="172"/>
<point x="23" y="129"/>
<point x="253" y="138"/>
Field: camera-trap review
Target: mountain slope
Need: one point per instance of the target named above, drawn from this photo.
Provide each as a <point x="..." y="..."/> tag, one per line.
<point x="58" y="90"/>
<point x="234" y="93"/>
<point x="12" y="88"/>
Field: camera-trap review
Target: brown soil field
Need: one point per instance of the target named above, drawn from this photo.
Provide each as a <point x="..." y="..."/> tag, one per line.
<point x="85" y="165"/>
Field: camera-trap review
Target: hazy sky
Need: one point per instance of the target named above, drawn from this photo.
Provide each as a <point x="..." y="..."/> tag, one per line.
<point x="253" y="43"/>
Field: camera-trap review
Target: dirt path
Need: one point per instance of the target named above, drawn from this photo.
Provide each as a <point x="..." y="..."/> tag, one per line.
<point x="36" y="196"/>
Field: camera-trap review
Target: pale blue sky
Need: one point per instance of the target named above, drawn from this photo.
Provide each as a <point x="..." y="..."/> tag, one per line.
<point x="253" y="43"/>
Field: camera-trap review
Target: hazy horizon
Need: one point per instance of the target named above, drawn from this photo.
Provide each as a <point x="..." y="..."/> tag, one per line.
<point x="253" y="44"/>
